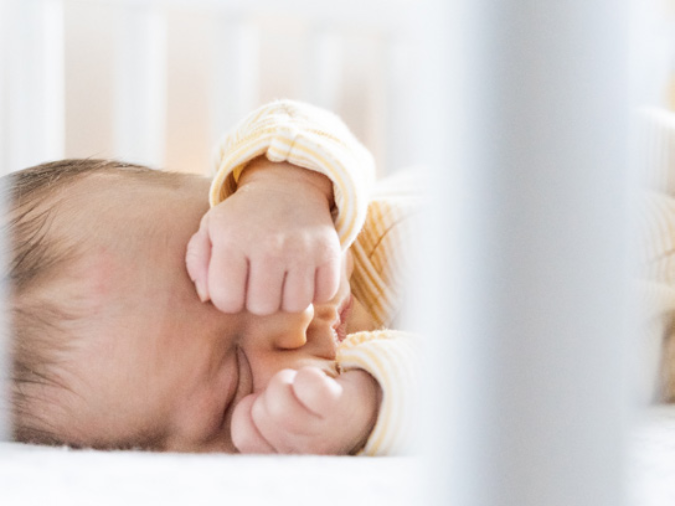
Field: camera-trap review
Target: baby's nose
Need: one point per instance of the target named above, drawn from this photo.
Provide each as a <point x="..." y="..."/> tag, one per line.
<point x="294" y="334"/>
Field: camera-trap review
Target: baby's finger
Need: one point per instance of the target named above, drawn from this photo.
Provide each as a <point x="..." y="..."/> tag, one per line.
<point x="228" y="274"/>
<point x="245" y="435"/>
<point x="281" y="416"/>
<point x="197" y="257"/>
<point x="298" y="290"/>
<point x="318" y="392"/>
<point x="327" y="281"/>
<point x="265" y="285"/>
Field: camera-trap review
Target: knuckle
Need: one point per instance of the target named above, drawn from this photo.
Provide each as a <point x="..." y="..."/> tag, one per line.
<point x="314" y="389"/>
<point x="224" y="301"/>
<point x="273" y="246"/>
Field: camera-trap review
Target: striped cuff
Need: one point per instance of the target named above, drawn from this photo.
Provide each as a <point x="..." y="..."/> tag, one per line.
<point x="391" y="358"/>
<point x="655" y="150"/>
<point x="305" y="136"/>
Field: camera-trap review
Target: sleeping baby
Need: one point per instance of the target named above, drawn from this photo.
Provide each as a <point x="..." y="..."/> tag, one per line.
<point x="248" y="313"/>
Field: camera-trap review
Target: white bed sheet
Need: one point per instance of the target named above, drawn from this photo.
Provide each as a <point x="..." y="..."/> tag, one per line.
<point x="32" y="475"/>
<point x="652" y="459"/>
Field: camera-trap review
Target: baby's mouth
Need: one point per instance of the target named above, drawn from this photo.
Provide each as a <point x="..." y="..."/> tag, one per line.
<point x="340" y="324"/>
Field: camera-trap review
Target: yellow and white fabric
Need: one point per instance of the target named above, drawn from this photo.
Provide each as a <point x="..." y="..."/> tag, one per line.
<point x="308" y="137"/>
<point x="655" y="152"/>
<point x="376" y="221"/>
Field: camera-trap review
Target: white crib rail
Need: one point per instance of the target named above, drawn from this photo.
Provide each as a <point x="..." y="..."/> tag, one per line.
<point x="529" y="259"/>
<point x="236" y="71"/>
<point x="5" y="362"/>
<point x="33" y="112"/>
<point x="35" y="78"/>
<point x="140" y="85"/>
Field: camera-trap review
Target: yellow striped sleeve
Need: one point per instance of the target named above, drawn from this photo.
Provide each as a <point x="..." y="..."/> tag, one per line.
<point x="306" y="136"/>
<point x="655" y="157"/>
<point x="391" y="358"/>
<point x="655" y="139"/>
<point x="383" y="250"/>
<point x="656" y="291"/>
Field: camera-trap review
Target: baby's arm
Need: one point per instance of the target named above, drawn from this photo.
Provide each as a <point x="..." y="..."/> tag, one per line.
<point x="317" y="144"/>
<point x="282" y="418"/>
<point x="308" y="412"/>
<point x="271" y="246"/>
<point x="307" y="137"/>
<point x="392" y="358"/>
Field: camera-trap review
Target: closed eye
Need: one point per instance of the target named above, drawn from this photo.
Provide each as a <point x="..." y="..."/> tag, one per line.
<point x="244" y="387"/>
<point x="232" y="397"/>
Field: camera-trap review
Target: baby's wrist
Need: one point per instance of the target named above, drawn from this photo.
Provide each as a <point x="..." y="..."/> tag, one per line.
<point x="262" y="173"/>
<point x="368" y="389"/>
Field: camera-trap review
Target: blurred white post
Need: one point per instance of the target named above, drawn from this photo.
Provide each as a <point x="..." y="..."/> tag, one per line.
<point x="33" y="117"/>
<point x="523" y="111"/>
<point x="236" y="71"/>
<point x="323" y="65"/>
<point x="401" y="73"/>
<point x="140" y="83"/>
<point x="4" y="98"/>
<point x="4" y="160"/>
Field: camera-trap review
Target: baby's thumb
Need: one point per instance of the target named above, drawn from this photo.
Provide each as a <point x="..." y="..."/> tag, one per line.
<point x="197" y="258"/>
<point x="317" y="391"/>
<point x="245" y="435"/>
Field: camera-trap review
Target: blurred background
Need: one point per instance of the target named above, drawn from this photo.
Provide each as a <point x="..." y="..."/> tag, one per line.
<point x="159" y="82"/>
<point x="652" y="52"/>
<point x="484" y="90"/>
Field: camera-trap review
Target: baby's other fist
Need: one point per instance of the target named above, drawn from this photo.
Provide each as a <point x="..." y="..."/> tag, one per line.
<point x="308" y="412"/>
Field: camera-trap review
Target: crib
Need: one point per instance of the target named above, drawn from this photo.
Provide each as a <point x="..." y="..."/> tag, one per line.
<point x="483" y="92"/>
<point x="159" y="82"/>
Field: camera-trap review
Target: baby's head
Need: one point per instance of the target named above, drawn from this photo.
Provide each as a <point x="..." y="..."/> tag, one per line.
<point x="112" y="347"/>
<point x="62" y="227"/>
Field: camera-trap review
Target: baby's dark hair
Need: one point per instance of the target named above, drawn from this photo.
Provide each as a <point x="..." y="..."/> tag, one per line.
<point x="34" y="197"/>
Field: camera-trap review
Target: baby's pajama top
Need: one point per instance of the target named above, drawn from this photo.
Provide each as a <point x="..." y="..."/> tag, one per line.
<point x="655" y="155"/>
<point x="374" y="220"/>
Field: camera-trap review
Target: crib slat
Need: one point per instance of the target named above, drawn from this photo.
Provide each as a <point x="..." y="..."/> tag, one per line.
<point x="31" y="118"/>
<point x="323" y="69"/>
<point x="524" y="114"/>
<point x="397" y="114"/>
<point x="236" y="72"/>
<point x="4" y="75"/>
<point x="140" y="84"/>
<point x="34" y="82"/>
<point x="4" y="328"/>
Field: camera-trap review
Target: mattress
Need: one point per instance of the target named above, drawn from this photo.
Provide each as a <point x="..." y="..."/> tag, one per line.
<point x="651" y="463"/>
<point x="33" y="475"/>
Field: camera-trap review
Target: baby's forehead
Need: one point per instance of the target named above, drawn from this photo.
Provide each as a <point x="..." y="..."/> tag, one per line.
<point x="129" y="237"/>
<point x="104" y="207"/>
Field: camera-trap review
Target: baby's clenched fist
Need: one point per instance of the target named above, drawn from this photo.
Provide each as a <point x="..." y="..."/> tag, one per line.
<point x="308" y="412"/>
<point x="271" y="246"/>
